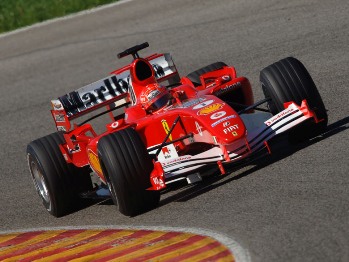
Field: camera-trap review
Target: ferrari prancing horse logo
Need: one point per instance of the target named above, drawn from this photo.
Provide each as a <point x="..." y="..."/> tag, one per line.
<point x="166" y="128"/>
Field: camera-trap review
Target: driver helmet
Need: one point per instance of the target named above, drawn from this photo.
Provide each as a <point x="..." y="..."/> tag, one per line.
<point x="154" y="97"/>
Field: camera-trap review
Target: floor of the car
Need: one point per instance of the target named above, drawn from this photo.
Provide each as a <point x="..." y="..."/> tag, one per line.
<point x="255" y="120"/>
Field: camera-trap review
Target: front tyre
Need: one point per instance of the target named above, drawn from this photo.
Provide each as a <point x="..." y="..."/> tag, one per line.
<point x="126" y="166"/>
<point x="288" y="80"/>
<point x="57" y="182"/>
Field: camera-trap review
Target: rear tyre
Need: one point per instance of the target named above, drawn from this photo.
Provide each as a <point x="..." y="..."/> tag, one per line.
<point x="288" y="80"/>
<point x="57" y="182"/>
<point x="126" y="166"/>
<point x="195" y="76"/>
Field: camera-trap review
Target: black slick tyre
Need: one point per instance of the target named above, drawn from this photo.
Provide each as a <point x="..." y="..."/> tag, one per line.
<point x="288" y="80"/>
<point x="195" y="76"/>
<point x="126" y="166"/>
<point x="57" y="182"/>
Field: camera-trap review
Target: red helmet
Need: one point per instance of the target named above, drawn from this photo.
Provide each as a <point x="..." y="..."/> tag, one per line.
<point x="154" y="97"/>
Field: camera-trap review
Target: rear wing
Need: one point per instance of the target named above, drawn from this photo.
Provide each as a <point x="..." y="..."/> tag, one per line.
<point x="113" y="90"/>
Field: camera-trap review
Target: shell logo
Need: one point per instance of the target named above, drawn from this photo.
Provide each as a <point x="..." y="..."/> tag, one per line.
<point x="94" y="162"/>
<point x="210" y="109"/>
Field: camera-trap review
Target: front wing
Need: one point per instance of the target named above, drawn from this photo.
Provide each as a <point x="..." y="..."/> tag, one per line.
<point x="169" y="171"/>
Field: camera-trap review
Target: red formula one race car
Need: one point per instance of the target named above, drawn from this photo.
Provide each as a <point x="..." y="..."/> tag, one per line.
<point x="164" y="129"/>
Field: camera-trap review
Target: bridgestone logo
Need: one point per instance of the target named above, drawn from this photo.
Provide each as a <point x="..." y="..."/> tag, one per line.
<point x="278" y="116"/>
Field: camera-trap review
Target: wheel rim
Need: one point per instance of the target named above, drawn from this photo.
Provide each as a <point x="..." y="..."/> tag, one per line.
<point x="39" y="182"/>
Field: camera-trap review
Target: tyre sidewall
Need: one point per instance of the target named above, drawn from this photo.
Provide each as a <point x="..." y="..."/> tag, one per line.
<point x="126" y="166"/>
<point x="63" y="181"/>
<point x="52" y="182"/>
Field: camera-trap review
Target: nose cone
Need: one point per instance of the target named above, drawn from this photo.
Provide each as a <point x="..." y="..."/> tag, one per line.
<point x="220" y="120"/>
<point x="227" y="128"/>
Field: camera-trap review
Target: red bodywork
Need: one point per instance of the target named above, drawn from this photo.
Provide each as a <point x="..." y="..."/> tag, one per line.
<point x="203" y="121"/>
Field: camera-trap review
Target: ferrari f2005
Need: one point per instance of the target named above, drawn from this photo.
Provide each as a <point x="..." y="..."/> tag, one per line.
<point x="165" y="128"/>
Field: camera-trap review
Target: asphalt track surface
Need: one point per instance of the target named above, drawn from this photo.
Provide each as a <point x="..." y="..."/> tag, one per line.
<point x="290" y="207"/>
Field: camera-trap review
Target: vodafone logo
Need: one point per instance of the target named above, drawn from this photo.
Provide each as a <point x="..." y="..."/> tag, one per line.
<point x="226" y="77"/>
<point x="115" y="125"/>
<point x="218" y="114"/>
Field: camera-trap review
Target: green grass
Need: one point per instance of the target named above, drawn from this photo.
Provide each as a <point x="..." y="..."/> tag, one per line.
<point x="18" y="13"/>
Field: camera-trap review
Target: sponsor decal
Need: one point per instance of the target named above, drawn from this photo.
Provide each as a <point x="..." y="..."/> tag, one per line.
<point x="108" y="88"/>
<point x="278" y="116"/>
<point x="114" y="125"/>
<point x="192" y="102"/>
<point x="186" y="104"/>
<point x="153" y="94"/>
<point x="198" y="128"/>
<point x="210" y="109"/>
<point x="203" y="104"/>
<point x="94" y="94"/>
<point x="61" y="128"/>
<point x="143" y="98"/>
<point x="230" y="128"/>
<point x="56" y="105"/>
<point x="226" y="77"/>
<point x="59" y="118"/>
<point x="166" y="128"/>
<point x="168" y="152"/>
<point x="94" y="162"/>
<point x="228" y="88"/>
<point x="179" y="159"/>
<point x="218" y="114"/>
<point x="149" y="94"/>
<point x="158" y="182"/>
<point x="225" y="124"/>
<point x="222" y="120"/>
